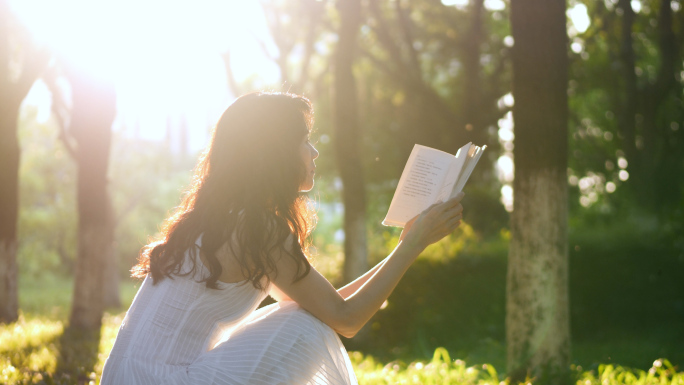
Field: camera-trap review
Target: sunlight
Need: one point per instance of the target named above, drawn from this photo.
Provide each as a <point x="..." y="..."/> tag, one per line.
<point x="507" y="197"/>
<point x="495" y="5"/>
<point x="40" y="96"/>
<point x="163" y="58"/>
<point x="505" y="168"/>
<point x="119" y="40"/>
<point x="505" y="124"/>
<point x="579" y="16"/>
<point x="456" y="3"/>
<point x="622" y="162"/>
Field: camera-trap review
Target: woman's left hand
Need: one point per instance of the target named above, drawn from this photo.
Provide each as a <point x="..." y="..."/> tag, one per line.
<point x="433" y="224"/>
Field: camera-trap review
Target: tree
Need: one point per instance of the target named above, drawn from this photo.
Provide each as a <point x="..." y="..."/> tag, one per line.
<point x="537" y="304"/>
<point x="88" y="140"/>
<point x="293" y="26"/>
<point x="626" y="111"/>
<point x="643" y="109"/>
<point x="15" y="47"/>
<point x="347" y="137"/>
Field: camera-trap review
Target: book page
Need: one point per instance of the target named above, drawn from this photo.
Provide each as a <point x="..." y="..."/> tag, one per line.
<point x="473" y="157"/>
<point x="455" y="170"/>
<point x="419" y="184"/>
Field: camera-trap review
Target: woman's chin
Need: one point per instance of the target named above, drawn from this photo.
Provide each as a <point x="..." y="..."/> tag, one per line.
<point x="306" y="187"/>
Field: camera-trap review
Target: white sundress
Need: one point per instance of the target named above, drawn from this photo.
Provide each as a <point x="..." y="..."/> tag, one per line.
<point x="181" y="332"/>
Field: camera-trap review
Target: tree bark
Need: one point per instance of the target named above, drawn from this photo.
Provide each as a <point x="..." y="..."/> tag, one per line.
<point x="656" y="189"/>
<point x="9" y="206"/>
<point x="12" y="93"/>
<point x="651" y="164"/>
<point x="537" y="303"/>
<point x="347" y="135"/>
<point x="472" y="96"/>
<point x="628" y="105"/>
<point x="93" y="111"/>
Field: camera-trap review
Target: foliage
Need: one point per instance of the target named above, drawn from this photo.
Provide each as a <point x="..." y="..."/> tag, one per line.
<point x="146" y="180"/>
<point x="47" y="215"/>
<point x="599" y="116"/>
<point x="32" y="352"/>
<point x="626" y="258"/>
<point x="146" y="183"/>
<point x="412" y="86"/>
<point x="442" y="370"/>
<point x="626" y="286"/>
<point x="443" y="301"/>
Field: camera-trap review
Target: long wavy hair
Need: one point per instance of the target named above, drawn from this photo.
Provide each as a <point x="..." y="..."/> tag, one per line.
<point x="245" y="192"/>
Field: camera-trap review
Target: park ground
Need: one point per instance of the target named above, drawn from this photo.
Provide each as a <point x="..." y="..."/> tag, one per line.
<point x="627" y="320"/>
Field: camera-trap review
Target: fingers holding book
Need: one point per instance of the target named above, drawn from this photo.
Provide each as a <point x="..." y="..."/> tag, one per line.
<point x="453" y="212"/>
<point x="436" y="222"/>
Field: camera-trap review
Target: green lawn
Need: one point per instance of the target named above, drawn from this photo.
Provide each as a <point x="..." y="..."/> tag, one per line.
<point x="36" y="350"/>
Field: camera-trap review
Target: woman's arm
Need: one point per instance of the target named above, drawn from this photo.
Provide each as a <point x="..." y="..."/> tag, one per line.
<point x="347" y="315"/>
<point x="344" y="291"/>
<point x="351" y="287"/>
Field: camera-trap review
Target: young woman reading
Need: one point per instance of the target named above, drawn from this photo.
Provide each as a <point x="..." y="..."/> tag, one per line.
<point x="240" y="234"/>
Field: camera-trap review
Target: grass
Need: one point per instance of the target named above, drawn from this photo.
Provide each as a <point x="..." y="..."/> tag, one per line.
<point x="32" y="351"/>
<point x="38" y="349"/>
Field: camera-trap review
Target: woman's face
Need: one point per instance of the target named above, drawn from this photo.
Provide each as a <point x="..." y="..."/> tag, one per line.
<point x="308" y="153"/>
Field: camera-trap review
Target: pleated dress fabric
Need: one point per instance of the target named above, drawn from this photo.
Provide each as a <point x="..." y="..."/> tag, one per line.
<point x="180" y="332"/>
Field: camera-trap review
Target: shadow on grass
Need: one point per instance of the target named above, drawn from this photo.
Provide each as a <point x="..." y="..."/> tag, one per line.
<point x="77" y="356"/>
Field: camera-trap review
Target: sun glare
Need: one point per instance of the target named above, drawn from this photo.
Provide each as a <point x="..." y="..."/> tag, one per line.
<point x="163" y="57"/>
<point x="579" y="16"/>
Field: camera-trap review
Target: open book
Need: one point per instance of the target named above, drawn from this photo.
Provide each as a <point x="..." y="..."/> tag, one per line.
<point x="430" y="176"/>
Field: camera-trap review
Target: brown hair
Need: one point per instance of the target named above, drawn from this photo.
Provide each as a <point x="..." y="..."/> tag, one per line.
<point x="245" y="188"/>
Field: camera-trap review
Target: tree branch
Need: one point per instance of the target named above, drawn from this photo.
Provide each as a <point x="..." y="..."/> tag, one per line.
<point x="406" y="27"/>
<point x="314" y="9"/>
<point x="230" y="76"/>
<point x="384" y="36"/>
<point x="61" y="111"/>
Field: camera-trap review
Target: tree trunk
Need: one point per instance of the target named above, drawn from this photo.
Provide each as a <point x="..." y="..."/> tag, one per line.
<point x="93" y="111"/>
<point x="629" y="94"/>
<point x="652" y="167"/>
<point x="347" y="135"/>
<point x="12" y="93"/>
<point x="657" y="191"/>
<point x="9" y="205"/>
<point x="472" y="91"/>
<point x="537" y="304"/>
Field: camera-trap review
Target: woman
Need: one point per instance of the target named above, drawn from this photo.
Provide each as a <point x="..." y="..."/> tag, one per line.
<point x="240" y="234"/>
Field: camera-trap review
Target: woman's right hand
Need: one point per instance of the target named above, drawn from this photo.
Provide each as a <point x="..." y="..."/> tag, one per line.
<point x="433" y="224"/>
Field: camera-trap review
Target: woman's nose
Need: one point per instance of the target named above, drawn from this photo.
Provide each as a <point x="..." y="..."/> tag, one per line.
<point x="314" y="152"/>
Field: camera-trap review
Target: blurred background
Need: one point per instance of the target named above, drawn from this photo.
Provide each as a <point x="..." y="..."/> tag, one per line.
<point x="140" y="84"/>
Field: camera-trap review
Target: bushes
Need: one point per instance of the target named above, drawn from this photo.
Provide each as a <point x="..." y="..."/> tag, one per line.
<point x="626" y="290"/>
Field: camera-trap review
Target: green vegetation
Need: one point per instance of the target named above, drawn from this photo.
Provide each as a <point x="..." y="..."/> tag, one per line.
<point x="34" y="350"/>
<point x="441" y="369"/>
<point x="627" y="324"/>
<point x="440" y="76"/>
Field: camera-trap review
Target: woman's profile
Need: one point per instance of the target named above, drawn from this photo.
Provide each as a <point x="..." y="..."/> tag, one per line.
<point x="240" y="234"/>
